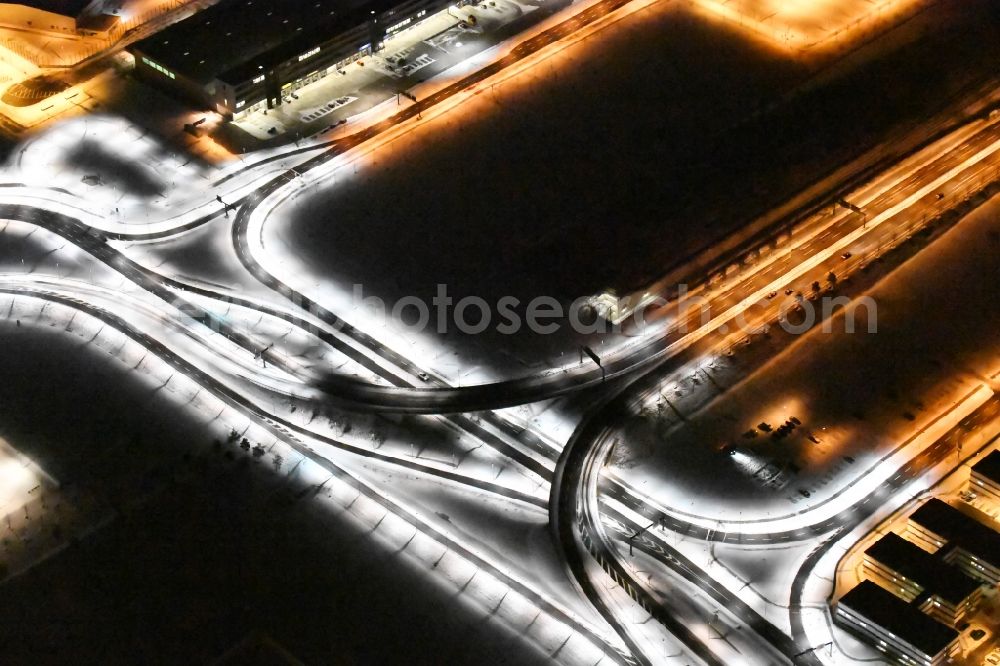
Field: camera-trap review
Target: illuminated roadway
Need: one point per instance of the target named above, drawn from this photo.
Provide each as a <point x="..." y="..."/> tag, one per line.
<point x="574" y="474"/>
<point x="900" y="194"/>
<point x="578" y="516"/>
<point x="643" y="358"/>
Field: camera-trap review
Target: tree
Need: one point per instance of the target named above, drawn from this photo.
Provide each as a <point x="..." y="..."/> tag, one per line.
<point x="832" y="279"/>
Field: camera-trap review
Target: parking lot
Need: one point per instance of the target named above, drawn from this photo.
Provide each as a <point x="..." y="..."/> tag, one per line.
<point x="410" y="56"/>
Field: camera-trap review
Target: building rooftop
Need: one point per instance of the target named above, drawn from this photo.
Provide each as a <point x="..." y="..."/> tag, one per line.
<point x="929" y="571"/>
<point x="958" y="529"/>
<point x="989" y="467"/>
<point x="233" y="39"/>
<point x="896" y="616"/>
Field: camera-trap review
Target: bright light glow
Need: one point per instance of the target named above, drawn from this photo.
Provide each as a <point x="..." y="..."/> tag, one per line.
<point x="161" y="69"/>
<point x="803" y="25"/>
<point x="17" y="479"/>
<point x="309" y="54"/>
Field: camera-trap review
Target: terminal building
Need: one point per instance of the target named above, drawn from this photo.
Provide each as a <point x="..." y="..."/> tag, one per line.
<point x="961" y="540"/>
<point x="239" y="56"/>
<point x="921" y="579"/>
<point x="985" y="477"/>
<point x="895" y="627"/>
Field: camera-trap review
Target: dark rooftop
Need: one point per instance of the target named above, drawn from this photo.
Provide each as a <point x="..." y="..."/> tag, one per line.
<point x="929" y="571"/>
<point x="989" y="467"/>
<point x="234" y="38"/>
<point x="64" y="7"/>
<point x="959" y="529"/>
<point x="97" y="22"/>
<point x="898" y="617"/>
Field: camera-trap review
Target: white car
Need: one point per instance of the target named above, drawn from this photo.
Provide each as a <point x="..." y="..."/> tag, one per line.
<point x="993" y="658"/>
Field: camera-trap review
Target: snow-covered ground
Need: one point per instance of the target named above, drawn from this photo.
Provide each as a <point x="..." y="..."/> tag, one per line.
<point x="446" y="202"/>
<point x="858" y="395"/>
<point x="405" y="533"/>
<point x="937" y="340"/>
<point x="140" y="428"/>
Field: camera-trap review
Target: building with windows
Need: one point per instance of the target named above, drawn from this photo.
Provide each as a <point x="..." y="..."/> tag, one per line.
<point x="243" y="55"/>
<point x="985" y="477"/>
<point x="969" y="544"/>
<point x="921" y="579"/>
<point x="895" y="627"/>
